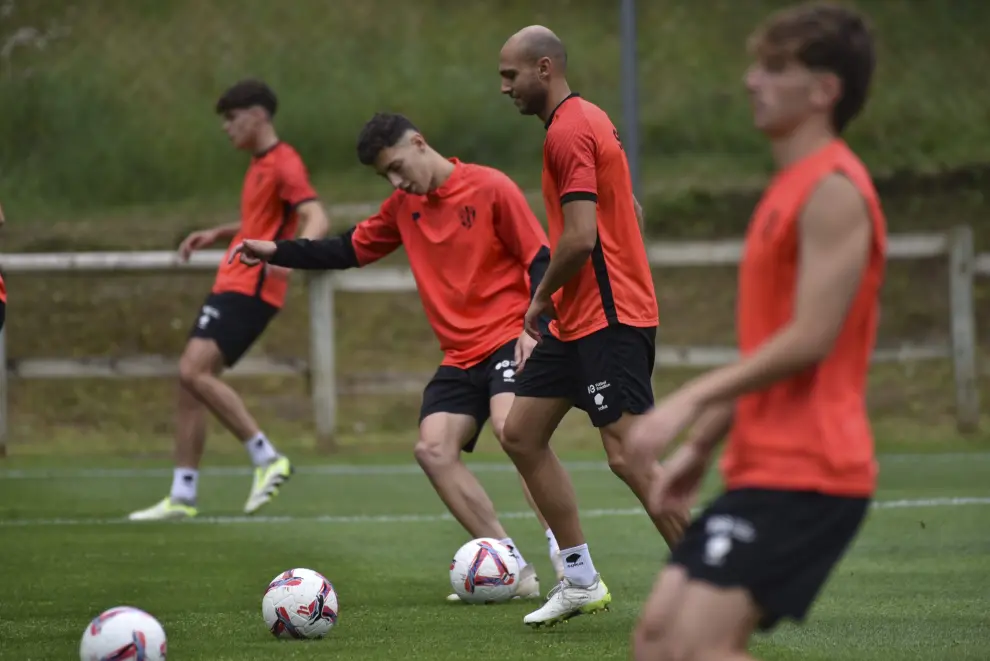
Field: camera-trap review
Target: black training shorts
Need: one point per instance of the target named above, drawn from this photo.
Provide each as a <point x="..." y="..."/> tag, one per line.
<point x="781" y="546"/>
<point x="234" y="321"/>
<point x="469" y="391"/>
<point x="605" y="374"/>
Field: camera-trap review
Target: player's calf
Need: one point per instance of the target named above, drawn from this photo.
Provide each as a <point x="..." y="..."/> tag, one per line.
<point x="639" y="477"/>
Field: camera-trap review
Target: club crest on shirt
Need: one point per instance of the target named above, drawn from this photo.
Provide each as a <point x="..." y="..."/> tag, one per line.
<point x="467" y="215"/>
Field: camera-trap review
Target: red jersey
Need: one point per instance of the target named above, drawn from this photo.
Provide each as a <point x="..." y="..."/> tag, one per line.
<point x="810" y="431"/>
<point x="276" y="183"/>
<point x="583" y="160"/>
<point x="470" y="245"/>
<point x="3" y="290"/>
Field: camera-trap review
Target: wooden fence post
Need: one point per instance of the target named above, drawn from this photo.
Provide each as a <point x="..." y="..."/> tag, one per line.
<point x="963" y="323"/>
<point x="322" y="359"/>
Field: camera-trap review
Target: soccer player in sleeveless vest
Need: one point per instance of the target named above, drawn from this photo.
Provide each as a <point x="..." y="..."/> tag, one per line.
<point x="600" y="352"/>
<point x="477" y="253"/>
<point x="277" y="200"/>
<point x="799" y="467"/>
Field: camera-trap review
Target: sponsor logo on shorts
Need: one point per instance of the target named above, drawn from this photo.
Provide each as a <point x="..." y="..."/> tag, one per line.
<point x="596" y="390"/>
<point x="722" y="531"/>
<point x="508" y="370"/>
<point x="208" y="312"/>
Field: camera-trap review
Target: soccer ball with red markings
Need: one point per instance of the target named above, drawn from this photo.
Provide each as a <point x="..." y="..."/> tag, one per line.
<point x="123" y="633"/>
<point x="300" y="603"/>
<point x="484" y="571"/>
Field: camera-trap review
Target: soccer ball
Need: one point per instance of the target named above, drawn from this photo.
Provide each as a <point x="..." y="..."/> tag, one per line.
<point x="123" y="633"/>
<point x="300" y="603"/>
<point x="484" y="571"/>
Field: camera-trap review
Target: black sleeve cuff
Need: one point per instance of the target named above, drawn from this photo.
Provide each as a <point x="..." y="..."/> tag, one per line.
<point x="331" y="254"/>
<point x="577" y="196"/>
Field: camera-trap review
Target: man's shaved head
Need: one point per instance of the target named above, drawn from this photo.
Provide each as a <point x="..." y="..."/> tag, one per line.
<point x="536" y="42"/>
<point x="531" y="62"/>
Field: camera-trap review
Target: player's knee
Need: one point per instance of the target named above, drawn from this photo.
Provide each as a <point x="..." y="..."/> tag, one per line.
<point x="435" y="454"/>
<point x="498" y="428"/>
<point x="513" y="437"/>
<point x="191" y="373"/>
<point x="200" y="360"/>
<point x="655" y="641"/>
<point x="618" y="462"/>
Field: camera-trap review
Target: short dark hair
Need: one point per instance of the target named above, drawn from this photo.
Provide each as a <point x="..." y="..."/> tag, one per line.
<point x="246" y="94"/>
<point x="824" y="37"/>
<point x="382" y="131"/>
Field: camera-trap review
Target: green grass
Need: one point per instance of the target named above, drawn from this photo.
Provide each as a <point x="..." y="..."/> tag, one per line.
<point x="116" y="109"/>
<point x="913" y="588"/>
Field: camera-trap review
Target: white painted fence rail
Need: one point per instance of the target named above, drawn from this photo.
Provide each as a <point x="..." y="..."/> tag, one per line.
<point x="956" y="246"/>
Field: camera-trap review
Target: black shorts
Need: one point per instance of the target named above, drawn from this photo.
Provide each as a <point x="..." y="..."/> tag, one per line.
<point x="469" y="391"/>
<point x="3" y="314"/>
<point x="234" y="321"/>
<point x="781" y="546"/>
<point x="605" y="374"/>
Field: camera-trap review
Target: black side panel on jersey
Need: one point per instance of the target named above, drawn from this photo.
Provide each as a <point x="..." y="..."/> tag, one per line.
<point x="604" y="283"/>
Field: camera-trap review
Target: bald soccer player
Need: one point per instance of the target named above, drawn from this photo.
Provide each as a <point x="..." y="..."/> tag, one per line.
<point x="600" y="351"/>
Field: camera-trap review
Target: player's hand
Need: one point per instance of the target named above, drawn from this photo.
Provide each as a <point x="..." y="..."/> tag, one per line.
<point x="540" y="306"/>
<point x="524" y="347"/>
<point x="252" y="252"/>
<point x="675" y="488"/>
<point x="656" y="429"/>
<point x="196" y="241"/>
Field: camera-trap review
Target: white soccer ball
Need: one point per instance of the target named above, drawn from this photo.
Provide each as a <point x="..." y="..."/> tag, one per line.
<point x="484" y="571"/>
<point x="300" y="603"/>
<point x="123" y="632"/>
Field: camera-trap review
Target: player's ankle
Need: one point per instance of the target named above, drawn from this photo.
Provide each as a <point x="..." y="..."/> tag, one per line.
<point x="260" y="449"/>
<point x="578" y="567"/>
<point x="552" y="545"/>
<point x="515" y="551"/>
<point x="184" y="485"/>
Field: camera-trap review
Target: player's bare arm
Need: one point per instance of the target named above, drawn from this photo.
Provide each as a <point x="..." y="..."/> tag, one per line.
<point x="573" y="250"/>
<point x="835" y="234"/>
<point x="639" y="214"/>
<point x="313" y="220"/>
<point x="204" y="238"/>
<point x="677" y="485"/>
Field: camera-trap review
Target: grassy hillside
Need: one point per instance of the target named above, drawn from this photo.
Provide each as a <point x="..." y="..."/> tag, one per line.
<point x="113" y="107"/>
<point x="108" y="142"/>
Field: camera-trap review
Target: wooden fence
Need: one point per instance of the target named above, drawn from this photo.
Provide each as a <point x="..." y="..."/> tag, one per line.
<point x="956" y="246"/>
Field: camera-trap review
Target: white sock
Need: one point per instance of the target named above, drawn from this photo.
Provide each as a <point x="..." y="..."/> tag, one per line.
<point x="552" y="543"/>
<point x="184" y="485"/>
<point x="578" y="567"/>
<point x="515" y="551"/>
<point x="261" y="450"/>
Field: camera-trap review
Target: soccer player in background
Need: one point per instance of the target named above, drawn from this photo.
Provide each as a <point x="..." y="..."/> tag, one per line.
<point x="277" y="199"/>
<point x="799" y="467"/>
<point x="601" y="352"/>
<point x="477" y="253"/>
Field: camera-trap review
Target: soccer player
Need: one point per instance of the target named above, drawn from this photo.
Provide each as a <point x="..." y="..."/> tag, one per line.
<point x="477" y="253"/>
<point x="600" y="354"/>
<point x="276" y="200"/>
<point x="799" y="467"/>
